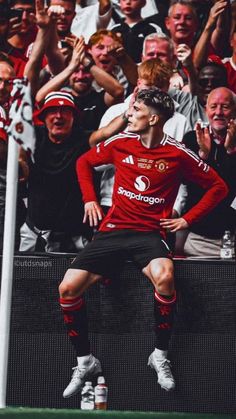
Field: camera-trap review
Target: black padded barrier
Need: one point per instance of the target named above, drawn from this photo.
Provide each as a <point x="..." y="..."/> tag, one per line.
<point x="202" y="350"/>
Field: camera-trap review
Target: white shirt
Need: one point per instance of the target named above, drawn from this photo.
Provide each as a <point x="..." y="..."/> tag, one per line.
<point x="87" y="20"/>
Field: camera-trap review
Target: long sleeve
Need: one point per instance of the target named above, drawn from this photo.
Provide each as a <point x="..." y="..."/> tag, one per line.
<point x="215" y="188"/>
<point x="84" y="168"/>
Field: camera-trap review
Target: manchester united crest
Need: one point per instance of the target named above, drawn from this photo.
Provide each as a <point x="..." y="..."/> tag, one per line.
<point x="161" y="165"/>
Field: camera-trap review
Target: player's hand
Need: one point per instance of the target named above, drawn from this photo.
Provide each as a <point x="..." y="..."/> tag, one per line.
<point x="92" y="213"/>
<point x="173" y="224"/>
<point x="203" y="140"/>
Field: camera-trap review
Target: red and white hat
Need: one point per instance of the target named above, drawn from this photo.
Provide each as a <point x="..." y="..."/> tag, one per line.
<point x="54" y="99"/>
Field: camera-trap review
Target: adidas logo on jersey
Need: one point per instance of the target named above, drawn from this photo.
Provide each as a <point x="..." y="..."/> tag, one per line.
<point x="129" y="159"/>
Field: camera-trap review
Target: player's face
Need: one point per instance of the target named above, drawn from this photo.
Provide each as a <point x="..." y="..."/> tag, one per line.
<point x="220" y="109"/>
<point x="59" y="122"/>
<point x="138" y="118"/>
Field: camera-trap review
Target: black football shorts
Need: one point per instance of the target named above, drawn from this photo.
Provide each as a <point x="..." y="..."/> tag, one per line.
<point x="108" y="250"/>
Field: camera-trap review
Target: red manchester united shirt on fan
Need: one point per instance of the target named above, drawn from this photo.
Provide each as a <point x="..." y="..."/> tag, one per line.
<point x="147" y="181"/>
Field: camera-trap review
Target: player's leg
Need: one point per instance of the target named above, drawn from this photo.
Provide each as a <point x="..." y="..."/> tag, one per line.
<point x="161" y="273"/>
<point x="98" y="259"/>
<point x="71" y="290"/>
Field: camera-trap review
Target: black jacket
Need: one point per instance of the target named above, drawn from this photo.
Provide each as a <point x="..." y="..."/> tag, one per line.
<point x="54" y="196"/>
<point x="223" y="217"/>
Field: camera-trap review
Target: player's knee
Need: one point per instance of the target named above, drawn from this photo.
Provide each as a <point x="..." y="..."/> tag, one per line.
<point x="69" y="287"/>
<point x="164" y="282"/>
<point x="67" y="290"/>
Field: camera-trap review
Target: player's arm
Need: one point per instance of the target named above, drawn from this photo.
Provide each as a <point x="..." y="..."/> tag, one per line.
<point x="215" y="191"/>
<point x="117" y="125"/>
<point x="102" y="154"/>
<point x="176" y="222"/>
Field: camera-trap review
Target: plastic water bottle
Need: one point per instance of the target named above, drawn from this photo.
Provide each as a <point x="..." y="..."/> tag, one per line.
<point x="226" y="251"/>
<point x="101" y="392"/>
<point x="87" y="396"/>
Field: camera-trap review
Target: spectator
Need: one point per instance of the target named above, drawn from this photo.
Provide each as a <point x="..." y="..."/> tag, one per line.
<point x="65" y="19"/>
<point x="182" y="22"/>
<point x="149" y="10"/>
<point x="134" y="28"/>
<point x="57" y="18"/>
<point x="80" y="72"/>
<point x="192" y="104"/>
<point x="158" y="45"/>
<point x="153" y="11"/>
<point x="217" y="145"/>
<point x="46" y="43"/>
<point x="215" y="36"/>
<point x="109" y="54"/>
<point x="55" y="208"/>
<point x="91" y="18"/>
<point x="134" y="227"/>
<point x="25" y="31"/>
<point x="161" y="46"/>
<point x="17" y="59"/>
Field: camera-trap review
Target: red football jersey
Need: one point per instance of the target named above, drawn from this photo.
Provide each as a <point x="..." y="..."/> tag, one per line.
<point x="147" y="181"/>
<point x="231" y="73"/>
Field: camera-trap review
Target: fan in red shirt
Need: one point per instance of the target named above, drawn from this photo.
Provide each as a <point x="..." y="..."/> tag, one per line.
<point x="150" y="166"/>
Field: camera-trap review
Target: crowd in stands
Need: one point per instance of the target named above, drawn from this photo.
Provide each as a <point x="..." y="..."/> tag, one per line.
<point x="85" y="62"/>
